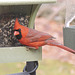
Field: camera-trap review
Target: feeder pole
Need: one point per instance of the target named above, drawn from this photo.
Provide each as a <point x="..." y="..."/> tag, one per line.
<point x="31" y="67"/>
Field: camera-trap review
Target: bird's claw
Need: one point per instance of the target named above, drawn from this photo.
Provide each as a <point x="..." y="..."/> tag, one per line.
<point x="28" y="48"/>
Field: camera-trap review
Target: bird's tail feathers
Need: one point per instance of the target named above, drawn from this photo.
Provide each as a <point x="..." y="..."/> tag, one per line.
<point x="66" y="48"/>
<point x="54" y="43"/>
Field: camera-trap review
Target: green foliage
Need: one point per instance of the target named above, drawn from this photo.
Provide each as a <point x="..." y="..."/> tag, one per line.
<point x="10" y="68"/>
<point x="46" y="67"/>
<point x="55" y="67"/>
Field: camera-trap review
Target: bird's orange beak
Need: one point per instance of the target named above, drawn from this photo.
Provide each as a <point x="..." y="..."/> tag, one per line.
<point x="16" y="33"/>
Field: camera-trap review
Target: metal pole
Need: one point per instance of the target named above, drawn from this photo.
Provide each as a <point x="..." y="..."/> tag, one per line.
<point x="31" y="67"/>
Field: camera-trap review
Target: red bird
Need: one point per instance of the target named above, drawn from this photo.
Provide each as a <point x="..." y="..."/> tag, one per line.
<point x="34" y="38"/>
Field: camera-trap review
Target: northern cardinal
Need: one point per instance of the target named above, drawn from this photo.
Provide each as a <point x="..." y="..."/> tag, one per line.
<point x="35" y="39"/>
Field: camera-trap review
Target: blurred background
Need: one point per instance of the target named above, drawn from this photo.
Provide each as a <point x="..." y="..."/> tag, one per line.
<point x="50" y="19"/>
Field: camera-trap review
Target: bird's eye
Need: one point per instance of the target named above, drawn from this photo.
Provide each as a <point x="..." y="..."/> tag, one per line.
<point x="19" y="29"/>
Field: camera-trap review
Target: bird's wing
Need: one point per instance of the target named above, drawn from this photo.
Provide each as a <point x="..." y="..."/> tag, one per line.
<point x="34" y="36"/>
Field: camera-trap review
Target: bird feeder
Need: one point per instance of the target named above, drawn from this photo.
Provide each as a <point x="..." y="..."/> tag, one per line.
<point x="69" y="29"/>
<point x="25" y="10"/>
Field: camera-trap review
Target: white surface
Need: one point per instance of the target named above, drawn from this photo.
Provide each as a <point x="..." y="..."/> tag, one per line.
<point x="5" y="2"/>
<point x="26" y="0"/>
<point x="19" y="54"/>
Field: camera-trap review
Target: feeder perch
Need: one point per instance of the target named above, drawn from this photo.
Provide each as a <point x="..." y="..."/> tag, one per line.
<point x="24" y="10"/>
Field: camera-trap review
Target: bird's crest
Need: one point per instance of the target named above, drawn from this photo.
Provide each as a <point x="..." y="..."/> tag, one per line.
<point x="17" y="25"/>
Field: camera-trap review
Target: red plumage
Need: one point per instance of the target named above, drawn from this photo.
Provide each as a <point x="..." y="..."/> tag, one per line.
<point x="34" y="38"/>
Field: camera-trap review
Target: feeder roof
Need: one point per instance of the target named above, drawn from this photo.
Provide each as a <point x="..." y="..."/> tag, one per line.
<point x="14" y="2"/>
